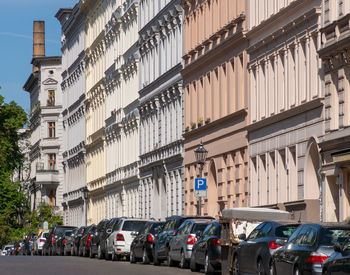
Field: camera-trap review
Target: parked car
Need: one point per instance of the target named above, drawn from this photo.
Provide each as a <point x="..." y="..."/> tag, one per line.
<point x="28" y="243"/>
<point x="180" y="246"/>
<point x="97" y="239"/>
<point x="6" y="250"/>
<point x="61" y="242"/>
<point x="207" y="249"/>
<point x="339" y="262"/>
<point x="48" y="248"/>
<point x="121" y="236"/>
<point x="69" y="245"/>
<point x="39" y="242"/>
<point x="102" y="247"/>
<point x="18" y="248"/>
<point x="161" y="242"/>
<point x="308" y="248"/>
<point x="85" y="240"/>
<point x="76" y="241"/>
<point x="253" y="254"/>
<point x="142" y="246"/>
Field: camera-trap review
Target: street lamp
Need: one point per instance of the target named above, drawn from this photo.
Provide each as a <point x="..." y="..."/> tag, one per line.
<point x="85" y="195"/>
<point x="201" y="155"/>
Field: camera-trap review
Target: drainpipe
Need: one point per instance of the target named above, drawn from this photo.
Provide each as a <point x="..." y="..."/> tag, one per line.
<point x="320" y="180"/>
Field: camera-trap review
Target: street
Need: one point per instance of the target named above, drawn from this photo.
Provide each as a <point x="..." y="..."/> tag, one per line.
<point x="37" y="265"/>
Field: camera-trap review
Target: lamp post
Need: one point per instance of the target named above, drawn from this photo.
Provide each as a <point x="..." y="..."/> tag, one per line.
<point x="201" y="155"/>
<point x="85" y="195"/>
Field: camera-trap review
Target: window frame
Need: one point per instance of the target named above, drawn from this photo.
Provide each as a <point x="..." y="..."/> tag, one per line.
<point x="52" y="161"/>
<point x="51" y="129"/>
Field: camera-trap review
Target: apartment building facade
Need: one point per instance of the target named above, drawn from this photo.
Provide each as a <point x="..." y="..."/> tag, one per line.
<point x="73" y="112"/>
<point x="45" y="124"/>
<point x="335" y="148"/>
<point x="216" y="102"/>
<point x="286" y="106"/>
<point x="161" y="108"/>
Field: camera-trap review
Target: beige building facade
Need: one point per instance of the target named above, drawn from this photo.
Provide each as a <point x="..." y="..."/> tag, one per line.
<point x="335" y="145"/>
<point x="216" y="102"/>
<point x="286" y="106"/>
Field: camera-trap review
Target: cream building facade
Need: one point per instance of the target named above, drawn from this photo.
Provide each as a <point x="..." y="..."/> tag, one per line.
<point x="95" y="108"/>
<point x="334" y="51"/>
<point x="161" y="104"/>
<point x="286" y="106"/>
<point x="121" y="116"/>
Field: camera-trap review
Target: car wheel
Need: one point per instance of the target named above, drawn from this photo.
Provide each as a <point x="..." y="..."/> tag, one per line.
<point x="114" y="257"/>
<point x="91" y="254"/>
<point x="65" y="252"/>
<point x="208" y="268"/>
<point x="107" y="257"/>
<point x="296" y="271"/>
<point x="183" y="262"/>
<point x="132" y="257"/>
<point x="145" y="258"/>
<point x="235" y="269"/>
<point x="272" y="269"/>
<point x="325" y="272"/>
<point x="99" y="253"/>
<point x="260" y="268"/>
<point x="193" y="265"/>
<point x="170" y="261"/>
<point x="155" y="258"/>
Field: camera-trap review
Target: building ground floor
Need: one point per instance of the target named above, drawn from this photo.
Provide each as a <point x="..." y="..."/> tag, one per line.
<point x="74" y="208"/>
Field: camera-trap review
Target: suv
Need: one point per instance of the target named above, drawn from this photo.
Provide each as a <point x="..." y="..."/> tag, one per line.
<point x="161" y="242"/>
<point x="98" y="237"/>
<point x="121" y="236"/>
<point x="53" y="236"/>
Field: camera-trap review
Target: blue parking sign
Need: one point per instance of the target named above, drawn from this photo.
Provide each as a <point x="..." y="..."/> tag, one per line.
<point x="200" y="184"/>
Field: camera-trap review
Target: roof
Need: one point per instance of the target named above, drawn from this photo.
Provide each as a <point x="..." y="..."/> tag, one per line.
<point x="256" y="214"/>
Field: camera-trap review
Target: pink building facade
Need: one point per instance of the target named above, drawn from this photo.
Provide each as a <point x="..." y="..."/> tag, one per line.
<point x="216" y="102"/>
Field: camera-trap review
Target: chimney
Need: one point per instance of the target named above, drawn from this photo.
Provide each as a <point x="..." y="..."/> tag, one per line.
<point x="38" y="40"/>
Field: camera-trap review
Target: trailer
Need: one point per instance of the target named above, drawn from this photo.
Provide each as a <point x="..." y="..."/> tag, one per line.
<point x="238" y="221"/>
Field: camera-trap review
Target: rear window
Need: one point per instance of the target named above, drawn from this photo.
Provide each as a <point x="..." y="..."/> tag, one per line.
<point x="46" y="235"/>
<point x="156" y="228"/>
<point x="285" y="231"/>
<point x="133" y="225"/>
<point x="68" y="233"/>
<point x="331" y="236"/>
<point x="199" y="227"/>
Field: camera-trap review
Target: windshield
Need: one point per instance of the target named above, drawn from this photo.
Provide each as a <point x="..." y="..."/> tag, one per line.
<point x="199" y="227"/>
<point x="133" y="225"/>
<point x="68" y="233"/>
<point x="331" y="236"/>
<point x="285" y="231"/>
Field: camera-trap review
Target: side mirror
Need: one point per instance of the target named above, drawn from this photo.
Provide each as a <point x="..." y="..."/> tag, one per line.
<point x="109" y="231"/>
<point x="242" y="237"/>
<point x="280" y="242"/>
<point x="337" y="248"/>
<point x="36" y="237"/>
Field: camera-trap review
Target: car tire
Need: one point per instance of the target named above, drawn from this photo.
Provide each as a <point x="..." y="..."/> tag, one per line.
<point x="235" y="266"/>
<point x="208" y="267"/>
<point x="296" y="271"/>
<point x="114" y="257"/>
<point x="91" y="254"/>
<point x="107" y="257"/>
<point x="155" y="258"/>
<point x="132" y="257"/>
<point x="99" y="253"/>
<point x="183" y="262"/>
<point x="193" y="265"/>
<point x="145" y="258"/>
<point x="272" y="269"/>
<point x="260" y="268"/>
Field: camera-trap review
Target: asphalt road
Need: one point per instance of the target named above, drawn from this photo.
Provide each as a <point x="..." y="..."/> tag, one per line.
<point x="38" y="265"/>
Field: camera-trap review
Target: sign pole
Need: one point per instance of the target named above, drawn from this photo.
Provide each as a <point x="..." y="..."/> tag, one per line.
<point x="200" y="198"/>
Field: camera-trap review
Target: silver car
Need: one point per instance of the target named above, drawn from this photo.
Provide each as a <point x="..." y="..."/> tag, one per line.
<point x="6" y="250"/>
<point x="180" y="247"/>
<point x="121" y="236"/>
<point x="39" y="242"/>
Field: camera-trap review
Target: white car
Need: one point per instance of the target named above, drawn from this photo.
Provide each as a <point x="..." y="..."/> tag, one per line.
<point x="39" y="242"/>
<point x="121" y="236"/>
<point x="6" y="250"/>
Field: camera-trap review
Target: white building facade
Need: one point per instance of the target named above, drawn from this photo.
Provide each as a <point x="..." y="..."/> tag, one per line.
<point x="73" y="112"/>
<point x="161" y="109"/>
<point x="286" y="106"/>
<point x="121" y="116"/>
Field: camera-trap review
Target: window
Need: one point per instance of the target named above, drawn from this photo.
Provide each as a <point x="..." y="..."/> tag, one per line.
<point x="51" y="98"/>
<point x="254" y="234"/>
<point x="52" y="161"/>
<point x="340" y="7"/>
<point x="311" y="237"/>
<point x="52" y="130"/>
<point x="326" y="11"/>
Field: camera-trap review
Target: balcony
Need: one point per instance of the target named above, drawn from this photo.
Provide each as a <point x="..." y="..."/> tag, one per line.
<point x="47" y="176"/>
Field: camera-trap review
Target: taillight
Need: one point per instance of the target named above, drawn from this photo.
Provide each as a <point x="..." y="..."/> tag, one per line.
<point x="191" y="239"/>
<point x="273" y="245"/>
<point x="150" y="238"/>
<point x="120" y="238"/>
<point x="17" y="249"/>
<point x="42" y="240"/>
<point x="52" y="237"/>
<point x="216" y="242"/>
<point x="317" y="258"/>
<point x="64" y="241"/>
<point x="89" y="239"/>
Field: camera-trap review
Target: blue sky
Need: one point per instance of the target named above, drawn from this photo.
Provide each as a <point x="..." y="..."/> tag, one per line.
<point x="16" y="48"/>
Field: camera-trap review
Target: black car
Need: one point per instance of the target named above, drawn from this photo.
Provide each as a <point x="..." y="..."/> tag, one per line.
<point x="161" y="242"/>
<point x="308" y="248"/>
<point x="48" y="248"/>
<point x="207" y="249"/>
<point x="85" y="241"/>
<point x="69" y="245"/>
<point x="97" y="238"/>
<point x="253" y="254"/>
<point x="339" y="262"/>
<point x="28" y="243"/>
<point x="61" y="242"/>
<point x="76" y="241"/>
<point x="102" y="247"/>
<point x="142" y="246"/>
